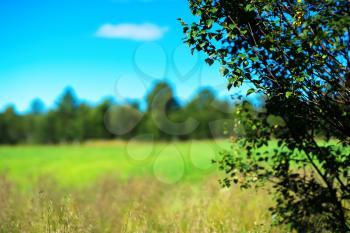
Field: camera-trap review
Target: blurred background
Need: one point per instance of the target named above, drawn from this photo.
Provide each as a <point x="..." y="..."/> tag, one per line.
<point x="108" y="123"/>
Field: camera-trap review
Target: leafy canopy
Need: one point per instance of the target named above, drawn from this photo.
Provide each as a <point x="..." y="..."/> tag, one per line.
<point x="296" y="53"/>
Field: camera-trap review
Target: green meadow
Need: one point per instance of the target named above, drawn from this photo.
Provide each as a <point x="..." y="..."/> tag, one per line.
<point x="124" y="187"/>
<point x="119" y="186"/>
<point x="79" y="165"/>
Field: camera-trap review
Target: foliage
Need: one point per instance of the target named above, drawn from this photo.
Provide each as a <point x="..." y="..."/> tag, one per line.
<point x="11" y="126"/>
<point x="72" y="120"/>
<point x="296" y="53"/>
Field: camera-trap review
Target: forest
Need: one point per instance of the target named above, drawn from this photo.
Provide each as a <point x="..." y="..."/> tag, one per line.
<point x="71" y="120"/>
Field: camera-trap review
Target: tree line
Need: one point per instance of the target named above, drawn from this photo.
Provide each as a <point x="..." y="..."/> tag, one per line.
<point x="164" y="118"/>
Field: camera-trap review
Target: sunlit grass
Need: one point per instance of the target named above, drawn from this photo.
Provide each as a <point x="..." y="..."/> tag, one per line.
<point x="124" y="187"/>
<point x="78" y="165"/>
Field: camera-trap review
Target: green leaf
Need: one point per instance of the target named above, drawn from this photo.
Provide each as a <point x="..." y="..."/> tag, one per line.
<point x="210" y="23"/>
<point x="209" y="61"/>
<point x="254" y="59"/>
<point x="250" y="91"/>
<point x="242" y="55"/>
<point x="214" y="10"/>
<point x="249" y="7"/>
<point x="224" y="71"/>
<point x="289" y="94"/>
<point x="300" y="79"/>
<point x="182" y="22"/>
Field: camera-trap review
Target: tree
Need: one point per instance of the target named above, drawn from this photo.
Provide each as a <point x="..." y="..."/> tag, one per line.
<point x="84" y="123"/>
<point x="98" y="115"/>
<point x="123" y="121"/>
<point x="161" y="106"/>
<point x="73" y="120"/>
<point x="66" y="115"/>
<point x="207" y="110"/>
<point x="11" y="127"/>
<point x="296" y="53"/>
<point x="34" y="122"/>
<point x="37" y="107"/>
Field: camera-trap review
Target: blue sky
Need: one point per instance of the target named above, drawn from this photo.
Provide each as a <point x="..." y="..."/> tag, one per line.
<point x="98" y="47"/>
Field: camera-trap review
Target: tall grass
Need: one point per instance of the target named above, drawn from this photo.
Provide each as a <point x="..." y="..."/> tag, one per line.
<point x="134" y="205"/>
<point x="114" y="187"/>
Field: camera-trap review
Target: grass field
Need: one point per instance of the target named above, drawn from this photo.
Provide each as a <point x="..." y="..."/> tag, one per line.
<point x="124" y="187"/>
<point x="79" y="165"/>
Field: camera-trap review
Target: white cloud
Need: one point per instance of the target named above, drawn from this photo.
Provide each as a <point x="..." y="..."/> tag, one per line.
<point x="139" y="32"/>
